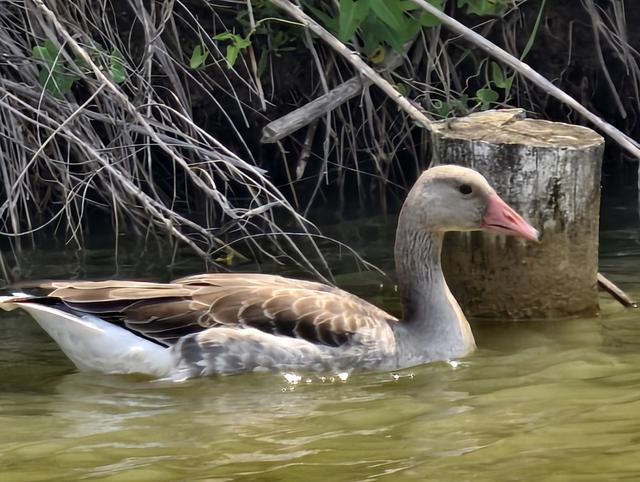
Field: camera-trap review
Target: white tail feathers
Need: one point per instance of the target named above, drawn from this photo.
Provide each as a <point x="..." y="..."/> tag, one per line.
<point x="6" y="303"/>
<point x="95" y="345"/>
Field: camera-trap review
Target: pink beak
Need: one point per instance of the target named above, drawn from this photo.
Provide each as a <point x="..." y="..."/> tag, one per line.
<point x="501" y="218"/>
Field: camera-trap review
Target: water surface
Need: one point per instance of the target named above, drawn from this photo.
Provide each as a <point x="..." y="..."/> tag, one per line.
<point x="543" y="401"/>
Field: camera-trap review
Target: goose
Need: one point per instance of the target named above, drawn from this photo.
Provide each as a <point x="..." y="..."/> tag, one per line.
<point x="223" y="323"/>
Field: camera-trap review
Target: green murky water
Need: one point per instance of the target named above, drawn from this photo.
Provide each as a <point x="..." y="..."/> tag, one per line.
<point x="546" y="401"/>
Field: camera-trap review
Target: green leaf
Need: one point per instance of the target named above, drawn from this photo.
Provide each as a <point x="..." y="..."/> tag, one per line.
<point x="225" y="36"/>
<point x="532" y="37"/>
<point x="42" y="54"/>
<point x="391" y="37"/>
<point x="56" y="84"/>
<point x="390" y="13"/>
<point x="198" y="57"/>
<point x="329" y="22"/>
<point x="51" y="74"/>
<point x="401" y="88"/>
<point x="442" y="108"/>
<point x="410" y="31"/>
<point x="116" y="67"/>
<point x="238" y="43"/>
<point x="407" y="5"/>
<point x="499" y="80"/>
<point x="497" y="77"/>
<point x="243" y="42"/>
<point x="508" y="82"/>
<point x="484" y="7"/>
<point x="352" y="13"/>
<point x="46" y="51"/>
<point x="428" y="20"/>
<point x="487" y="96"/>
<point x="372" y="34"/>
<point x="82" y="65"/>
<point x="232" y="55"/>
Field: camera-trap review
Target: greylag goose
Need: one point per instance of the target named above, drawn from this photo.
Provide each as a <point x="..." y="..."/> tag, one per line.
<point x="230" y="323"/>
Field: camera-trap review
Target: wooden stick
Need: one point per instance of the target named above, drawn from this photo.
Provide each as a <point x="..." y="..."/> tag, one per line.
<point x="354" y="59"/>
<point x="607" y="285"/>
<point x="526" y="71"/>
<point x="296" y="119"/>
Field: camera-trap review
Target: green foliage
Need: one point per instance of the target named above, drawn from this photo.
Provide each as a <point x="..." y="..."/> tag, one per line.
<point x="279" y="40"/>
<point x="390" y="13"/>
<point x="452" y="107"/>
<point x="238" y="43"/>
<point x="484" y="7"/>
<point x="499" y="80"/>
<point x="199" y="56"/>
<point x="486" y="96"/>
<point x="57" y="77"/>
<point x="52" y="73"/>
<point x="379" y="22"/>
<point x="391" y="22"/>
<point x="536" y="26"/>
<point x="352" y="13"/>
<point x="428" y="20"/>
<point x="116" y="67"/>
<point x="402" y="88"/>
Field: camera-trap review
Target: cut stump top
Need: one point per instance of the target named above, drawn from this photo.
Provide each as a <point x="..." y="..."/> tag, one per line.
<point x="509" y="126"/>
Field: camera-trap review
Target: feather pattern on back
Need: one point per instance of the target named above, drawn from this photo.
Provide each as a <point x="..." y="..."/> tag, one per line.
<point x="306" y="310"/>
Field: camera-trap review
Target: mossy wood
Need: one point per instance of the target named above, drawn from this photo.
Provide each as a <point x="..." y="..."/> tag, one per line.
<point x="549" y="172"/>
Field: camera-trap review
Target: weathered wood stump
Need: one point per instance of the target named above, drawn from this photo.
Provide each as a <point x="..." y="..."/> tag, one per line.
<point x="550" y="173"/>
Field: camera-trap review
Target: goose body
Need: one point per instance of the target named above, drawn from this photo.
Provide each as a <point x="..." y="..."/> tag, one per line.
<point x="238" y="322"/>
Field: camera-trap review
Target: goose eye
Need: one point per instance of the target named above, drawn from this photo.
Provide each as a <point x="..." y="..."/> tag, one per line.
<point x="465" y="189"/>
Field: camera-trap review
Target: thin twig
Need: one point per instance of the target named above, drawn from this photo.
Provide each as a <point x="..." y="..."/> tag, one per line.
<point x="354" y="59"/>
<point x="525" y="70"/>
<point x="610" y="287"/>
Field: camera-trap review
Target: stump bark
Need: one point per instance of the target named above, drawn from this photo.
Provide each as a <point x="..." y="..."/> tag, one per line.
<point x="550" y="173"/>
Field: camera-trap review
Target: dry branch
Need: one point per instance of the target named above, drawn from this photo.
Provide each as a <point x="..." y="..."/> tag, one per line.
<point x="354" y="59"/>
<point x="523" y="69"/>
<point x="610" y="287"/>
<point x="285" y="125"/>
<point x="58" y="155"/>
<point x="294" y="120"/>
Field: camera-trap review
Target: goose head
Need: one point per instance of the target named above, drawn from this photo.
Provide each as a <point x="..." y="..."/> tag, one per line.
<point x="455" y="198"/>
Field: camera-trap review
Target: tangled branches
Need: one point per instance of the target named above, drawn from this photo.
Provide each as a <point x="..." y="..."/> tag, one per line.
<point x="80" y="139"/>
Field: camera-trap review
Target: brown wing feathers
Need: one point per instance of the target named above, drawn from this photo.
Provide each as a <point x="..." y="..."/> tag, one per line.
<point x="281" y="306"/>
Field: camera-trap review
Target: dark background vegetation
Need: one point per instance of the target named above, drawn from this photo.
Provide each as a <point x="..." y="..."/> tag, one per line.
<point x="170" y="148"/>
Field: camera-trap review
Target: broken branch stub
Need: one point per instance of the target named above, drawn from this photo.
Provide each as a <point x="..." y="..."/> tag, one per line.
<point x="550" y="173"/>
<point x="302" y="116"/>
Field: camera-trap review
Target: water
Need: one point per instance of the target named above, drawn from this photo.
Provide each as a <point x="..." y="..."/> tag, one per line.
<point x="546" y="401"/>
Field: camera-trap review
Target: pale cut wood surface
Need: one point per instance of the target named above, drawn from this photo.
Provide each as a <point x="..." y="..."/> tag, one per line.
<point x="548" y="172"/>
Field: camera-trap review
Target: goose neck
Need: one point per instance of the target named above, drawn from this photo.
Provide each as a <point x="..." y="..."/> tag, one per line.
<point x="433" y="327"/>
<point x="419" y="269"/>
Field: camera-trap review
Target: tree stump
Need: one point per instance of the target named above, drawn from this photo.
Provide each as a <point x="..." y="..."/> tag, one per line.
<point x="550" y="173"/>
